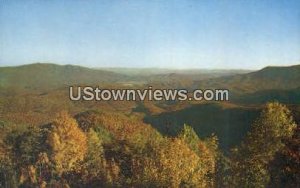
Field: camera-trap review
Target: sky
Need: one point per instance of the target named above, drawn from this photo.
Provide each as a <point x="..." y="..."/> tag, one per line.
<point x="208" y="34"/>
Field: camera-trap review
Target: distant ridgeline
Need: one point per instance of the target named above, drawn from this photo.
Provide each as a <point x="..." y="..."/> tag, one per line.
<point x="33" y="94"/>
<point x="49" y="76"/>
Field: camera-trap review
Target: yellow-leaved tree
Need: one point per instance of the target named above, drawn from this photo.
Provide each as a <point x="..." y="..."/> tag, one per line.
<point x="68" y="143"/>
<point x="171" y="164"/>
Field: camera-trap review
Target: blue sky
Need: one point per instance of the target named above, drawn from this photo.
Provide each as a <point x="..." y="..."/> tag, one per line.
<point x="157" y="33"/>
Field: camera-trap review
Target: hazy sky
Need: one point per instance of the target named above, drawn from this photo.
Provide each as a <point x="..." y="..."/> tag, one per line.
<point x="151" y="33"/>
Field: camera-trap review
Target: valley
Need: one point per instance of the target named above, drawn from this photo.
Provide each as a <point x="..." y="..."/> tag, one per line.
<point x="36" y="100"/>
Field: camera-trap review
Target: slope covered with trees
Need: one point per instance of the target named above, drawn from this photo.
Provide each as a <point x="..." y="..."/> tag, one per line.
<point x="101" y="149"/>
<point x="40" y="76"/>
<point x="264" y="79"/>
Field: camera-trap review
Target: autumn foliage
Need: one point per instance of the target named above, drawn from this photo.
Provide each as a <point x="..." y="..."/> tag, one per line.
<point x="101" y="149"/>
<point x="68" y="143"/>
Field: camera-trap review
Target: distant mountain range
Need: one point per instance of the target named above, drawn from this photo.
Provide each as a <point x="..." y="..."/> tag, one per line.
<point x="49" y="76"/>
<point x="43" y="76"/>
<point x="229" y="120"/>
<point x="265" y="79"/>
<point x="165" y="71"/>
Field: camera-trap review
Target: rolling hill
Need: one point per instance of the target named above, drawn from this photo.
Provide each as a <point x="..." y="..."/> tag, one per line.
<point x="46" y="76"/>
<point x="49" y="76"/>
<point x="265" y="79"/>
<point x="230" y="121"/>
<point x="285" y="96"/>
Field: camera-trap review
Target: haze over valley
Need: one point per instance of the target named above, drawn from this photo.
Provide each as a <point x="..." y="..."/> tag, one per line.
<point x="239" y="58"/>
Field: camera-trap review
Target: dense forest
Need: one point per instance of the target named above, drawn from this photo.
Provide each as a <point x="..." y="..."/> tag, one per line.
<point x="102" y="149"/>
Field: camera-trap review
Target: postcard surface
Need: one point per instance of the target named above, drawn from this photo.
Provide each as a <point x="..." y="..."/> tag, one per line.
<point x="136" y="93"/>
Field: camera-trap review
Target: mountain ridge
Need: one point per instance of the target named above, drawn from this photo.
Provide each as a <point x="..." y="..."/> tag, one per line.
<point x="50" y="75"/>
<point x="264" y="79"/>
<point x="43" y="76"/>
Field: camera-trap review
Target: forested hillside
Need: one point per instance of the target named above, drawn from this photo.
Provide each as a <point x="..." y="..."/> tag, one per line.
<point x="100" y="149"/>
<point x="264" y="79"/>
<point x="41" y="76"/>
<point x="47" y="140"/>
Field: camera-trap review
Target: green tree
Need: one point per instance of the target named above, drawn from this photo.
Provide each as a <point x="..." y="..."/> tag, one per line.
<point x="260" y="145"/>
<point x="8" y="174"/>
<point x="190" y="137"/>
<point x="25" y="144"/>
<point x="206" y="150"/>
<point x="285" y="166"/>
<point x="223" y="172"/>
<point x="22" y="146"/>
<point x="93" y="168"/>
